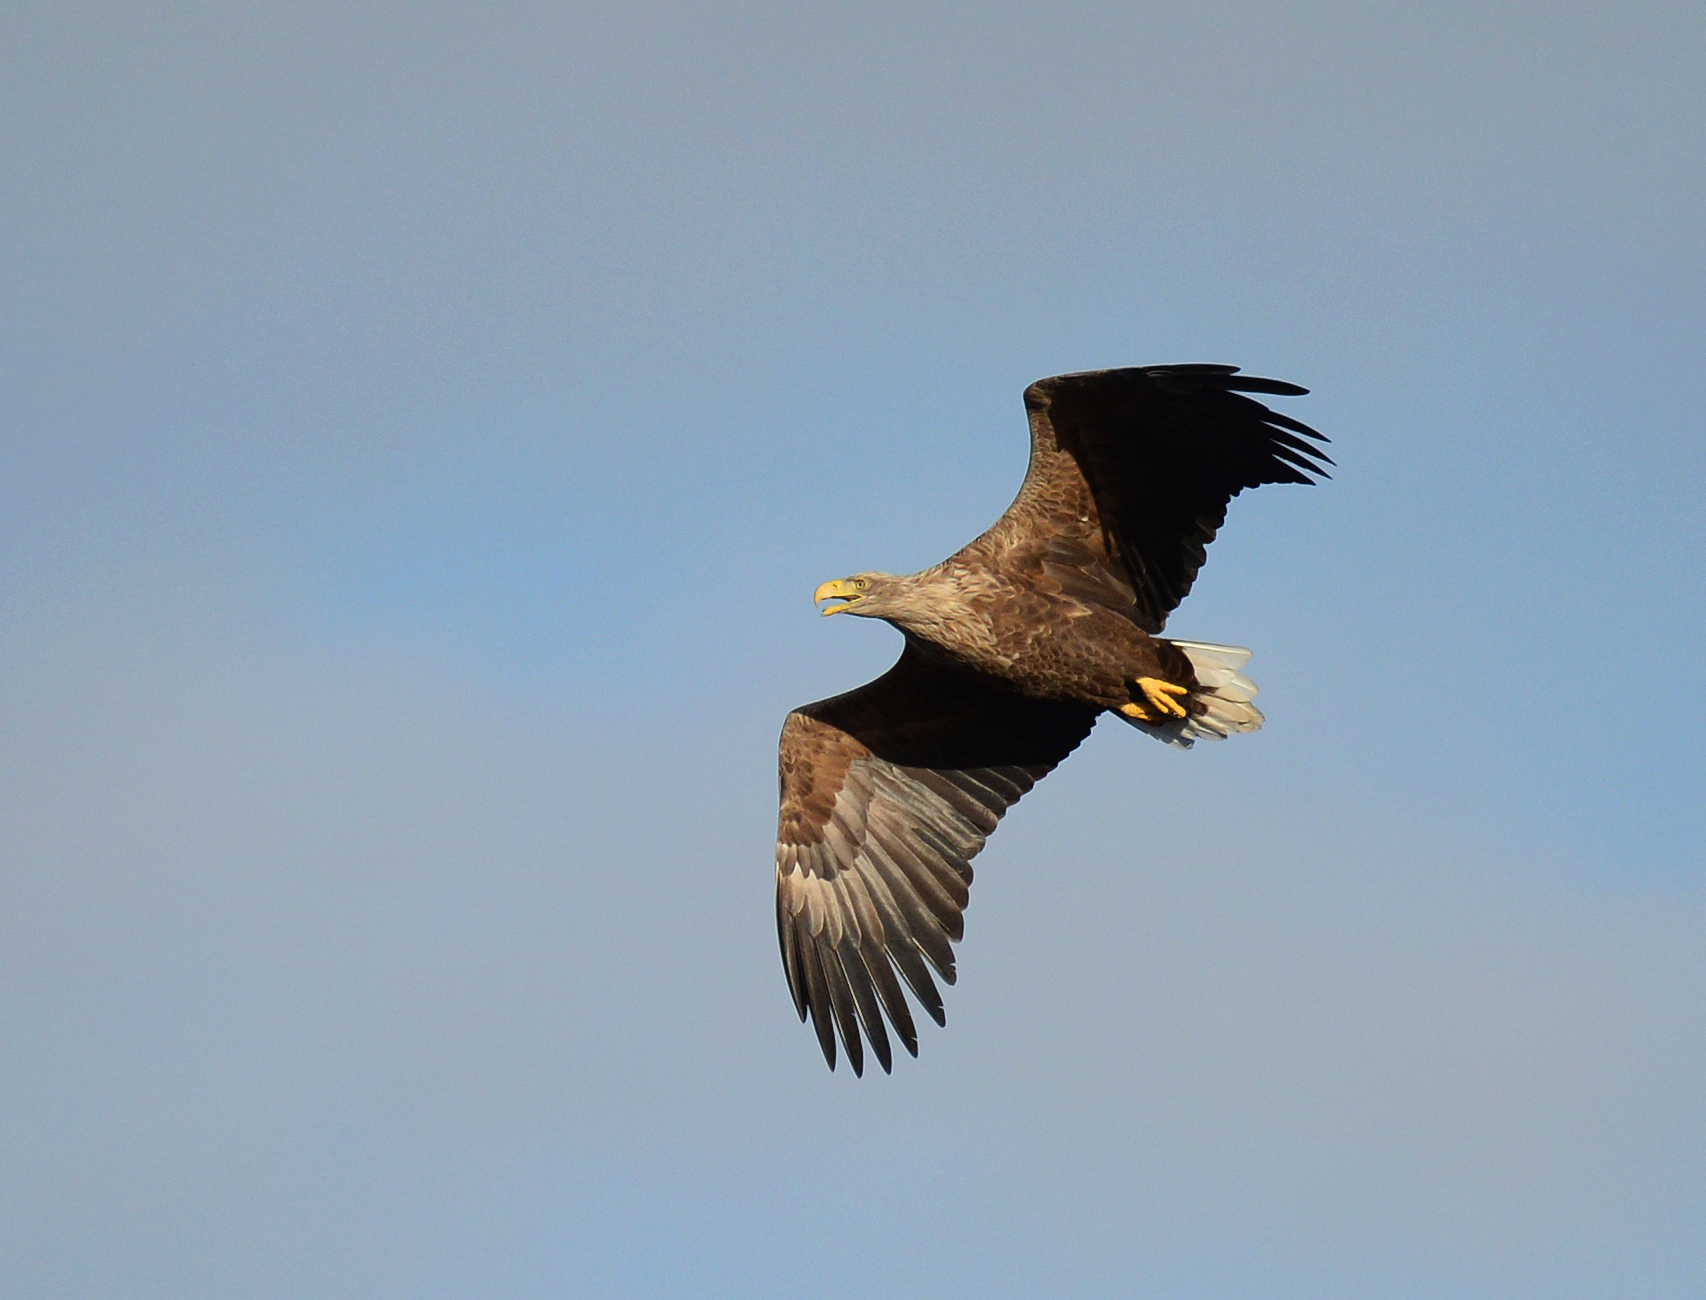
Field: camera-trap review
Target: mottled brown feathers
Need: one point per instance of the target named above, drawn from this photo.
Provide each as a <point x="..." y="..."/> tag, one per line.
<point x="1015" y="645"/>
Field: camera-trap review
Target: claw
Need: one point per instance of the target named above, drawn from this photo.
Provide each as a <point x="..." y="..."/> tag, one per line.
<point x="1137" y="711"/>
<point x="1160" y="696"/>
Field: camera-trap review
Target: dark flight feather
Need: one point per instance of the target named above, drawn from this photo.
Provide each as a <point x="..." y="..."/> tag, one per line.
<point x="1163" y="450"/>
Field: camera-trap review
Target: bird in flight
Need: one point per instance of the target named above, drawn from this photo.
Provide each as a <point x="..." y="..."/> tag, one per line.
<point x="1015" y="645"/>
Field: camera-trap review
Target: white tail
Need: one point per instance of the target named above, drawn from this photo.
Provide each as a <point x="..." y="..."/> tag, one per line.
<point x="1223" y="691"/>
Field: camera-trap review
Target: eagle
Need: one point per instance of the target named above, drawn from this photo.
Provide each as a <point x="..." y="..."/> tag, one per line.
<point x="1015" y="645"/>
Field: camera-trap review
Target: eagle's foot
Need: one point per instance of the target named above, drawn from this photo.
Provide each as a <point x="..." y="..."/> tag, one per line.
<point x="1160" y="697"/>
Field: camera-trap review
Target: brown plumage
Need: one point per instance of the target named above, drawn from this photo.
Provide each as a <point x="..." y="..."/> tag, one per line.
<point x="1015" y="644"/>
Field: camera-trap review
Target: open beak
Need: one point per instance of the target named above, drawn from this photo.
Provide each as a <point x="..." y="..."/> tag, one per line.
<point x="841" y="589"/>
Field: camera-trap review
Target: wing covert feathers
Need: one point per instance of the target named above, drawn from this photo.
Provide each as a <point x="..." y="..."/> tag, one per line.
<point x="888" y="792"/>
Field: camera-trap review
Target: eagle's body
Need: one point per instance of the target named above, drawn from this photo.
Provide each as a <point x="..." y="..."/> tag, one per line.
<point x="1040" y="641"/>
<point x="1015" y="645"/>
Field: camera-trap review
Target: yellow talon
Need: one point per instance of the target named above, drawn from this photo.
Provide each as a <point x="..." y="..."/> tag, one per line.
<point x="1137" y="711"/>
<point x="1160" y="696"/>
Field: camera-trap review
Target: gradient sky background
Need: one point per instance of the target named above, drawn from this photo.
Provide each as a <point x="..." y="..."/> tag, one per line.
<point x="424" y="427"/>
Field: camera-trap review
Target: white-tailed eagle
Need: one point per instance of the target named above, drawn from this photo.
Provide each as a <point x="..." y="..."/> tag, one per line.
<point x="1015" y="645"/>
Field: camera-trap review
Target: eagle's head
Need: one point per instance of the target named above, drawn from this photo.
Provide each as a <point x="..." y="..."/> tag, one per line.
<point x="870" y="595"/>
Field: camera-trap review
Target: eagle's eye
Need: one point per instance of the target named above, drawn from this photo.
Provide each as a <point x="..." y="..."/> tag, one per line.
<point x="861" y="583"/>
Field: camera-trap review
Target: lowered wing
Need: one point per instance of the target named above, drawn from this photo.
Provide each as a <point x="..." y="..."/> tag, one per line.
<point x="888" y="792"/>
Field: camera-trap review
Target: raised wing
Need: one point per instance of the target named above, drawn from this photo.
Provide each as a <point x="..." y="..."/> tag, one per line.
<point x="888" y="792"/>
<point x="1162" y="449"/>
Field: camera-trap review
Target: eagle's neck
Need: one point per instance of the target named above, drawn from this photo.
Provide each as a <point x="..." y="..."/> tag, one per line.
<point x="942" y="606"/>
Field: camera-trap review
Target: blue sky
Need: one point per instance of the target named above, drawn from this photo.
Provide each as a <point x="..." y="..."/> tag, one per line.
<point x="423" y="428"/>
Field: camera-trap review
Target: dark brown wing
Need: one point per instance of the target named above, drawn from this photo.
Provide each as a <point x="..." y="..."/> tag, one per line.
<point x="1162" y="450"/>
<point x="888" y="792"/>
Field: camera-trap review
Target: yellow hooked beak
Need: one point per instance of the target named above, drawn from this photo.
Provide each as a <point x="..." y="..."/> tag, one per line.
<point x="841" y="589"/>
